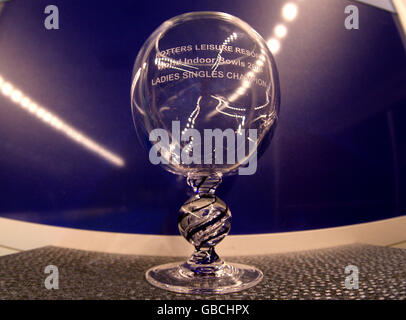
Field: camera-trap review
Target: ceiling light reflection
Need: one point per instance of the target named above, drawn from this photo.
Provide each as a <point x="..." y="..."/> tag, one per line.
<point x="274" y="45"/>
<point x="280" y="31"/>
<point x="6" y="88"/>
<point x="289" y="11"/>
<point x="16" y="96"/>
<point x="55" y="122"/>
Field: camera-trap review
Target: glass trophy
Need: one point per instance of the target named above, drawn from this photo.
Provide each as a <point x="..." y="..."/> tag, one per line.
<point x="205" y="91"/>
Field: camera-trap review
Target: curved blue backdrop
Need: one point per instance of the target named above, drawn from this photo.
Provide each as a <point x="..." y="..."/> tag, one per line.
<point x="338" y="156"/>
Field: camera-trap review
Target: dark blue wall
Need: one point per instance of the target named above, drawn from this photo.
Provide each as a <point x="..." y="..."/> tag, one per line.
<point x="338" y="156"/>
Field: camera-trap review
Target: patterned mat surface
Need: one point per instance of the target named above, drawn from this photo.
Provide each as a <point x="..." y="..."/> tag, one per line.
<point x="316" y="274"/>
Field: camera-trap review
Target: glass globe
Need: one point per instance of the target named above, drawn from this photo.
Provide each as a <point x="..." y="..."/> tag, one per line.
<point x="205" y="91"/>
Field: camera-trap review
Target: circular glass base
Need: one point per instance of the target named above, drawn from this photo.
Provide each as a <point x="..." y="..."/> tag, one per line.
<point x="229" y="278"/>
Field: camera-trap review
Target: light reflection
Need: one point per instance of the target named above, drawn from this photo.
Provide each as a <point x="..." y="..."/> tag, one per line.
<point x="6" y="89"/>
<point x="248" y="79"/>
<point x="41" y="113"/>
<point x="230" y="38"/>
<point x="16" y="96"/>
<point x="280" y="31"/>
<point x="191" y="125"/>
<point x="274" y="45"/>
<point x="223" y="104"/>
<point x="165" y="63"/>
<point x="289" y="11"/>
<point x="133" y="85"/>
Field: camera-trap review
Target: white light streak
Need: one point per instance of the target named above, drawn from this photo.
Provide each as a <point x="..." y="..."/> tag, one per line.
<point x="25" y="103"/>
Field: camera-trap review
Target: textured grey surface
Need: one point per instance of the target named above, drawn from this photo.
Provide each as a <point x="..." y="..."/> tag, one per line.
<point x="316" y="274"/>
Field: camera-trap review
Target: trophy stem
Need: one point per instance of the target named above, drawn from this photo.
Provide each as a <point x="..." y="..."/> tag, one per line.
<point x="206" y="184"/>
<point x="204" y="220"/>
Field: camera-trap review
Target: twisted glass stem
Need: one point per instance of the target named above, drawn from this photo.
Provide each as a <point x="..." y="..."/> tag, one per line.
<point x="204" y="220"/>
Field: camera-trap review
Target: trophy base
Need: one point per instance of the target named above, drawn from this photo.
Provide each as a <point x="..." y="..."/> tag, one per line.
<point x="227" y="278"/>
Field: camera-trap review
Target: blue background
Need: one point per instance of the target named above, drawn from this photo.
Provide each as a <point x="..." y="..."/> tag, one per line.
<point x="338" y="156"/>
